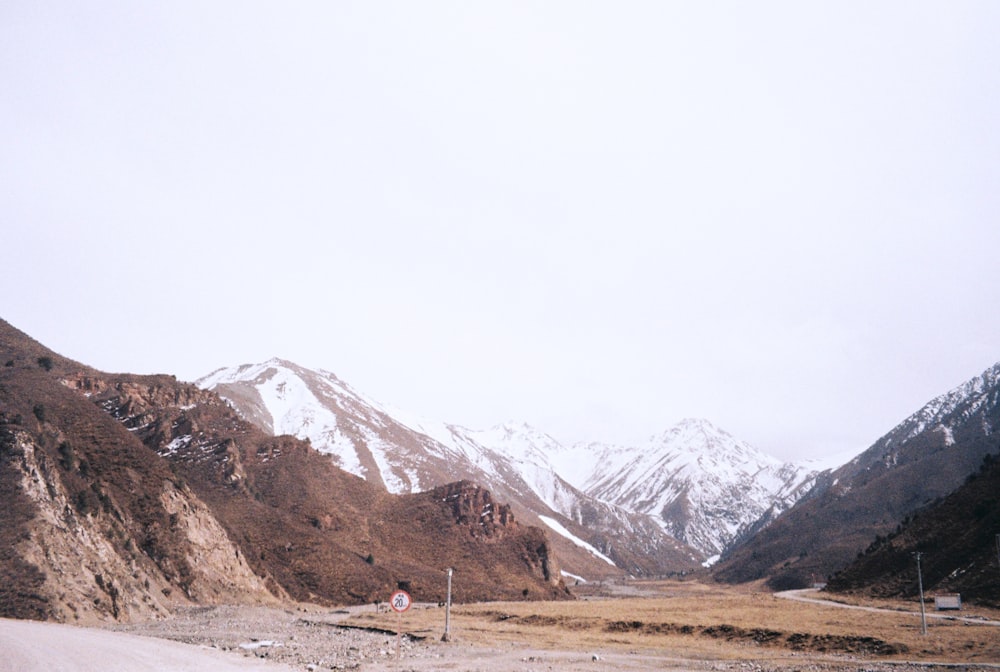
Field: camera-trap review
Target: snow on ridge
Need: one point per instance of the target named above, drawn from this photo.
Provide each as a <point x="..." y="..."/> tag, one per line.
<point x="235" y="374"/>
<point x="971" y="392"/>
<point x="521" y="443"/>
<point x="293" y="407"/>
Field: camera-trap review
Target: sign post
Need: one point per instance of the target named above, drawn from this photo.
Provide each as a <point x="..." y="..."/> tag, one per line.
<point x="447" y="611"/>
<point x="400" y="602"/>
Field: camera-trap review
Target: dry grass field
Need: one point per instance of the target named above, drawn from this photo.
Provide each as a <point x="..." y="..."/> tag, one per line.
<point x="708" y="622"/>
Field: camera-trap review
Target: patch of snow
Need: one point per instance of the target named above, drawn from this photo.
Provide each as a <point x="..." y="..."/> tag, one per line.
<point x="949" y="437"/>
<point x="558" y="528"/>
<point x="176" y="444"/>
<point x="578" y="579"/>
<point x="711" y="561"/>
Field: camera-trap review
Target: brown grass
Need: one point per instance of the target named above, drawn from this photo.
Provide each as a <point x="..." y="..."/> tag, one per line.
<point x="708" y="622"/>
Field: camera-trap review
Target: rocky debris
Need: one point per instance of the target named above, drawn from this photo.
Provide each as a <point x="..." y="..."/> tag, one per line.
<point x="310" y="640"/>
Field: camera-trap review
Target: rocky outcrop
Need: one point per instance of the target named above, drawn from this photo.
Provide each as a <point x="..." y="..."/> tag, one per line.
<point x="473" y="507"/>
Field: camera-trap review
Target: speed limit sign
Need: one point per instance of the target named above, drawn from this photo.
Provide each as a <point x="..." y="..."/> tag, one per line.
<point x="400" y="601"/>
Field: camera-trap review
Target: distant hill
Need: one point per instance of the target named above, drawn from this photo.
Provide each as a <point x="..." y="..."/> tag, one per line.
<point x="958" y="536"/>
<point x="129" y="495"/>
<point x="924" y="458"/>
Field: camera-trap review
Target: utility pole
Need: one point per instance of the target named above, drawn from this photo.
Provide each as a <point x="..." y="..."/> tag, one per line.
<point x="447" y="612"/>
<point x="920" y="583"/>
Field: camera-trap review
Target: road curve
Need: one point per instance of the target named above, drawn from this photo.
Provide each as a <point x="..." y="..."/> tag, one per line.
<point x="800" y="596"/>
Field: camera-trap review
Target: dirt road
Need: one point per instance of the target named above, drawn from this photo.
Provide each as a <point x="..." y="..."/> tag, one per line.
<point x="31" y="645"/>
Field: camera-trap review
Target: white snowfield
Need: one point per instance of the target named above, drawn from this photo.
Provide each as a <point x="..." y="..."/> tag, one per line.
<point x="33" y="645"/>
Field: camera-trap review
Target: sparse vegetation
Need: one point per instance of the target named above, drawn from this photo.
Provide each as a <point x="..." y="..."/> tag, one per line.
<point x="67" y="457"/>
<point x="709" y="623"/>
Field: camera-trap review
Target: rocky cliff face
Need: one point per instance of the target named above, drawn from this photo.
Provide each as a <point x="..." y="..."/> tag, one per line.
<point x="98" y="526"/>
<point x="474" y="508"/>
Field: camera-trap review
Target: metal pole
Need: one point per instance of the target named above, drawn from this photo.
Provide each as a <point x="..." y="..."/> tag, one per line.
<point x="399" y="633"/>
<point x="920" y="583"/>
<point x="447" y="612"/>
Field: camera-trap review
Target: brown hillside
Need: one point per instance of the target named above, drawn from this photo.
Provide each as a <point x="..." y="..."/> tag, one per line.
<point x="100" y="526"/>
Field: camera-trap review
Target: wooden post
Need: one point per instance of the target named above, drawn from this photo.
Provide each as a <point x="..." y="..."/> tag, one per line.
<point x="920" y="583"/>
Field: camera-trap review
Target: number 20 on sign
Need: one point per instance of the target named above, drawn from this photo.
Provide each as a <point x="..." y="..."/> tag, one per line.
<point x="400" y="602"/>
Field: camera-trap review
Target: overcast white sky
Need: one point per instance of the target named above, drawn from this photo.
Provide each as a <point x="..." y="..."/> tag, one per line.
<point x="596" y="217"/>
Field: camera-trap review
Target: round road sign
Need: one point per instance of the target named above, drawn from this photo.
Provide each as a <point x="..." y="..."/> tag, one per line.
<point x="400" y="601"/>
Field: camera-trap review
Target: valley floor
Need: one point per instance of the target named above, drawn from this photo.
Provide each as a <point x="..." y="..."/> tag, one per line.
<point x="612" y="628"/>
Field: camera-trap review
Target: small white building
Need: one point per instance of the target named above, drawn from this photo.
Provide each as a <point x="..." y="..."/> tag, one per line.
<point x="948" y="601"/>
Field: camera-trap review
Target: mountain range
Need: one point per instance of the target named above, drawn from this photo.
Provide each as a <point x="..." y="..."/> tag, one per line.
<point x="664" y="506"/>
<point x="792" y="524"/>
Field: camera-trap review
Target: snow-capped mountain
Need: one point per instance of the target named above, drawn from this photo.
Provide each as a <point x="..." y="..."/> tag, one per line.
<point x="704" y="486"/>
<point x="407" y="454"/>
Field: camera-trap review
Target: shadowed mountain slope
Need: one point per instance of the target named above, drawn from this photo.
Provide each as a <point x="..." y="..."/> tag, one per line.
<point x="958" y="537"/>
<point x="925" y="457"/>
